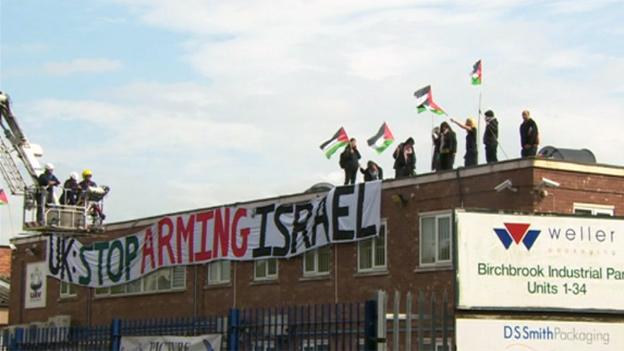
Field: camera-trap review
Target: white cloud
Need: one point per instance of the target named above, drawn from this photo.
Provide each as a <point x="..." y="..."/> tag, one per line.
<point x="82" y="65"/>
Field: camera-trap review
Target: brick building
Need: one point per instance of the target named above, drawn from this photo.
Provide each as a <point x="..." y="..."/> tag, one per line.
<point x="415" y="252"/>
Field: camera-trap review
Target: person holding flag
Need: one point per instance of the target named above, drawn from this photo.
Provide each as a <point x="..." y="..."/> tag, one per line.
<point x="372" y="172"/>
<point x="470" y="158"/>
<point x="350" y="161"/>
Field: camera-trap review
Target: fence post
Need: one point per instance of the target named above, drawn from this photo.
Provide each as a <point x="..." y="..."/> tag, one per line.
<point x="233" y="329"/>
<point x="15" y="342"/>
<point x="370" y="324"/>
<point x="115" y="334"/>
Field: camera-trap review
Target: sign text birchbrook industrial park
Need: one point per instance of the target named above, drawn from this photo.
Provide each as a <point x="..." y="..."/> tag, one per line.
<point x="269" y="230"/>
<point x="540" y="262"/>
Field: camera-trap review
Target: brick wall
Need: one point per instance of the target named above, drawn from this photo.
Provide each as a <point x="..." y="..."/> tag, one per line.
<point x="444" y="191"/>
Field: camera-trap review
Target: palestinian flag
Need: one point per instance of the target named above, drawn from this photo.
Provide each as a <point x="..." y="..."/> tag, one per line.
<point x="476" y="73"/>
<point x="340" y="139"/>
<point x="382" y="139"/>
<point x="425" y="101"/>
<point x="3" y="197"/>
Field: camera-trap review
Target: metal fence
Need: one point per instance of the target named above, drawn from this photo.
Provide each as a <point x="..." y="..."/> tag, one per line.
<point x="345" y="326"/>
<point x="422" y="322"/>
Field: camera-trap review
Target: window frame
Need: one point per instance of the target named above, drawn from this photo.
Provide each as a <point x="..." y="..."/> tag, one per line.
<point x="143" y="281"/>
<point x="594" y="209"/>
<point x="268" y="276"/>
<point x="220" y="264"/>
<point x="69" y="293"/>
<point x="315" y="272"/>
<point x="374" y="267"/>
<point x="436" y="216"/>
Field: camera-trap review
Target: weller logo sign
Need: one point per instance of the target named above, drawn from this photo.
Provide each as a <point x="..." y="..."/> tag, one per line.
<point x="516" y="233"/>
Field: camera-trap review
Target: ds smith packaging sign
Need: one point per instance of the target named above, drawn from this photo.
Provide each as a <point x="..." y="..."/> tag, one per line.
<point x="531" y="335"/>
<point x="507" y="261"/>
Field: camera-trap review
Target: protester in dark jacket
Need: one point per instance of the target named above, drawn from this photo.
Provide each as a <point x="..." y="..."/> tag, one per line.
<point x="470" y="158"/>
<point x="435" y="158"/>
<point x="529" y="135"/>
<point x="404" y="159"/>
<point x="350" y="161"/>
<point x="46" y="181"/>
<point x="490" y="137"/>
<point x="372" y="172"/>
<point x="448" y="146"/>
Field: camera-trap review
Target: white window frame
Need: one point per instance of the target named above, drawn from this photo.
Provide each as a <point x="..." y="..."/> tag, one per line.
<point x="314" y="256"/>
<point x="142" y="282"/>
<point x="374" y="267"/>
<point x="595" y="209"/>
<point x="220" y="267"/>
<point x="67" y="290"/>
<point x="437" y="261"/>
<point x="267" y="275"/>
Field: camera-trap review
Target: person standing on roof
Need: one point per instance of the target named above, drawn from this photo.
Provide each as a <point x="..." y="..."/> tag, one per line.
<point x="70" y="190"/>
<point x="490" y="137"/>
<point x="529" y="135"/>
<point x="372" y="172"/>
<point x="448" y="146"/>
<point x="435" y="140"/>
<point x="404" y="159"/>
<point x="350" y="161"/>
<point x="470" y="158"/>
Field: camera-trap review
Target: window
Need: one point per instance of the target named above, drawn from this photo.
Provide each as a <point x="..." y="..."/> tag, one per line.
<point x="68" y="290"/>
<point x="219" y="272"/>
<point x="316" y="262"/>
<point x="435" y="239"/>
<point x="594" y="210"/>
<point x="372" y="252"/>
<point x="265" y="269"/>
<point x="164" y="279"/>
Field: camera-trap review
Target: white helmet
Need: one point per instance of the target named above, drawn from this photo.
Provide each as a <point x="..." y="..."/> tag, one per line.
<point x="49" y="166"/>
<point x="73" y="175"/>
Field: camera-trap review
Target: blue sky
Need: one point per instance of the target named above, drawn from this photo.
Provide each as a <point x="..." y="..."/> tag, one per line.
<point x="186" y="104"/>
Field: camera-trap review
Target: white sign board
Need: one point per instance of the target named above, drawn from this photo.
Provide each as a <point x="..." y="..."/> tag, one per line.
<point x="531" y="335"/>
<point x="35" y="285"/>
<point x="208" y="342"/>
<point x="507" y="261"/>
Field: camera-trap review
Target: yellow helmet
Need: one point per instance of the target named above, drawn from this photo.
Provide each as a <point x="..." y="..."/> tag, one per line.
<point x="86" y="173"/>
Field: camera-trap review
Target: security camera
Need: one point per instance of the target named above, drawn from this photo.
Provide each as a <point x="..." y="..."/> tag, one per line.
<point x="507" y="184"/>
<point x="549" y="183"/>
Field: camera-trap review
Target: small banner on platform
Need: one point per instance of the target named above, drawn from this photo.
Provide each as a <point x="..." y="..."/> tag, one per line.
<point x="271" y="230"/>
<point x="208" y="342"/>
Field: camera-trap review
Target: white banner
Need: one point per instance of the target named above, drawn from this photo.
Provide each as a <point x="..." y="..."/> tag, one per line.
<point x="507" y="261"/>
<point x="208" y="342"/>
<point x="532" y="335"/>
<point x="279" y="230"/>
<point x="36" y="287"/>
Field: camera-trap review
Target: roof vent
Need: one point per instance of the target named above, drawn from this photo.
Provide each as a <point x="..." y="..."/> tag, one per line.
<point x="576" y="155"/>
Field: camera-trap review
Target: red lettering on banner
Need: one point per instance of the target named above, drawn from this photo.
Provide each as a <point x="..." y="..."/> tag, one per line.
<point x="186" y="234"/>
<point x="164" y="240"/>
<point x="239" y="251"/>
<point x="148" y="250"/>
<point x="221" y="233"/>
<point x="204" y="254"/>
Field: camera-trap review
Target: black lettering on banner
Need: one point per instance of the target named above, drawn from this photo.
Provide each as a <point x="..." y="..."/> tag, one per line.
<point x="339" y="211"/>
<point x="320" y="217"/>
<point x="283" y="250"/>
<point x="301" y="226"/>
<point x="85" y="280"/>
<point x="262" y="250"/>
<point x="57" y="258"/>
<point x="371" y="229"/>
